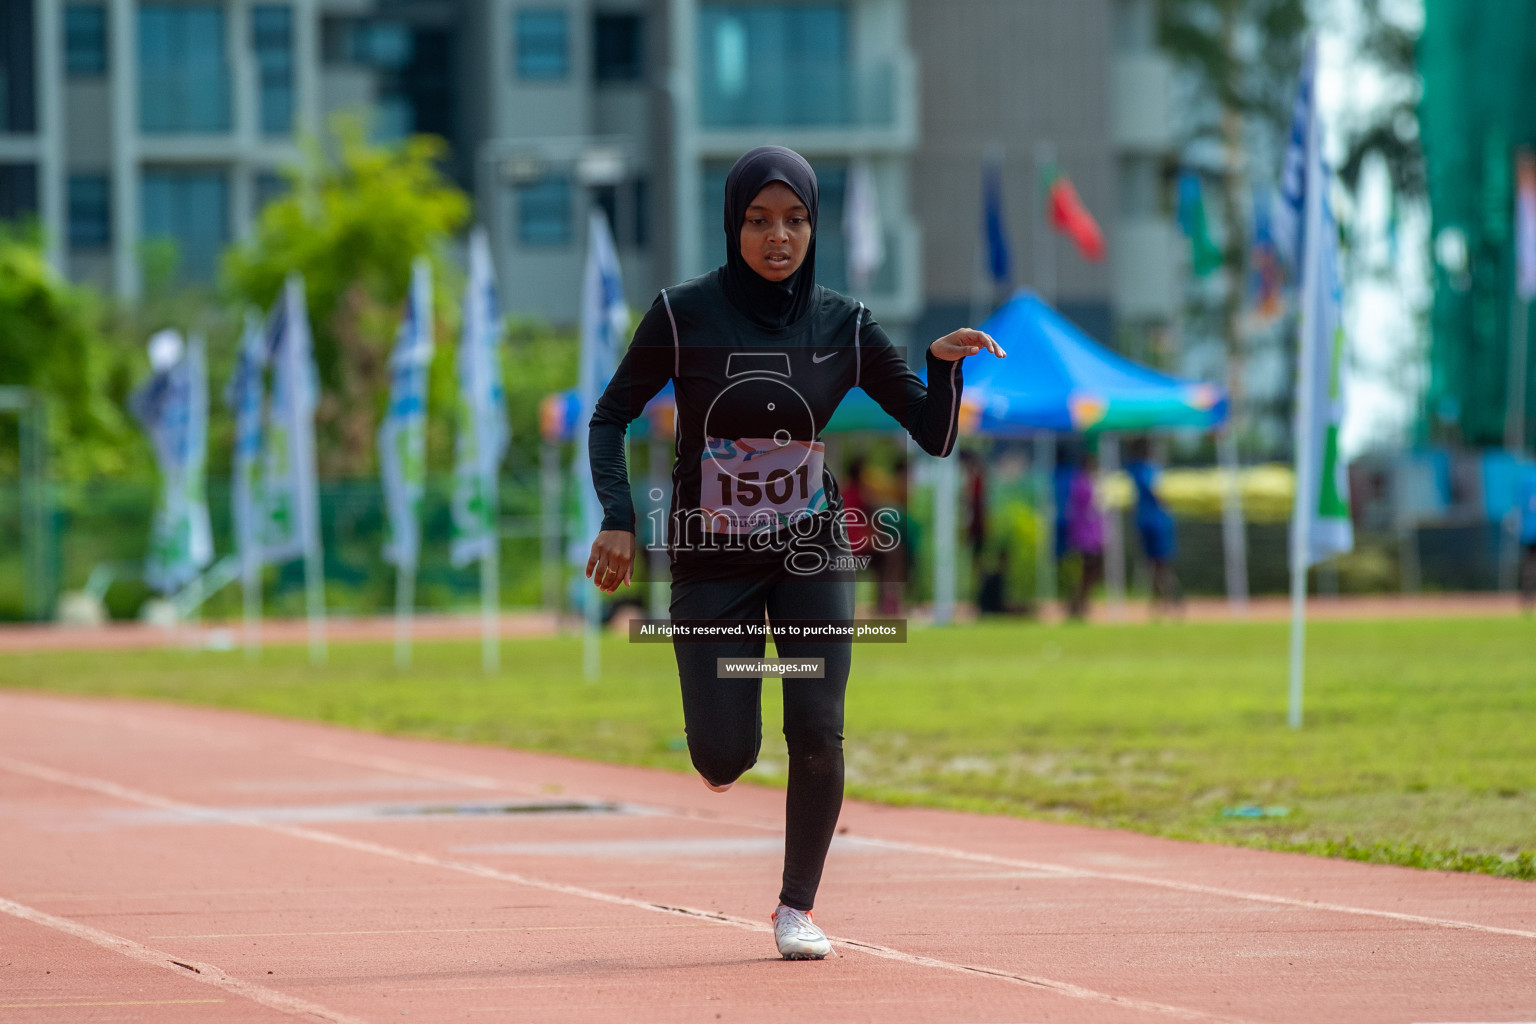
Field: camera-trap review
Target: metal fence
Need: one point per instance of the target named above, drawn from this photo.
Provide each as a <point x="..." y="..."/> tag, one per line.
<point x="99" y="533"/>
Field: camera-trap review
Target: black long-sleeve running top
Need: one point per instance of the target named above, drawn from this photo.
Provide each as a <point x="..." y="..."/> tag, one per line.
<point x="751" y="405"/>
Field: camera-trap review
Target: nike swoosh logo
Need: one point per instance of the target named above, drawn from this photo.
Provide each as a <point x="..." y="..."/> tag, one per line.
<point x="821" y="359"/>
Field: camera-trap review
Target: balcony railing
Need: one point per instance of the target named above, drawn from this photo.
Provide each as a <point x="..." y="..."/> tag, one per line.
<point x="804" y="94"/>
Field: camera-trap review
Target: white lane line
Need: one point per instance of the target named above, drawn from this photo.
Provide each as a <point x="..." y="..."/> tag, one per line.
<point x="108" y="788"/>
<point x="1195" y="887"/>
<point x="433" y="931"/>
<point x="412" y="768"/>
<point x="124" y="715"/>
<point x="131" y="1002"/>
<point x="1047" y="868"/>
<point x="194" y="970"/>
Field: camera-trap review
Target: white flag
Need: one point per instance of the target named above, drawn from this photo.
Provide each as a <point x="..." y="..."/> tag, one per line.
<point x="483" y="432"/>
<point x="290" y="526"/>
<point x="861" y="226"/>
<point x="244" y="397"/>
<point x="173" y="407"/>
<point x="1308" y="236"/>
<point x="604" y="324"/>
<point x="403" y="434"/>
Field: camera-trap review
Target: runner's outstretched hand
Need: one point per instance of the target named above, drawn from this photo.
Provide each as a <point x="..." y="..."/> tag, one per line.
<point x="965" y="342"/>
<point x="612" y="561"/>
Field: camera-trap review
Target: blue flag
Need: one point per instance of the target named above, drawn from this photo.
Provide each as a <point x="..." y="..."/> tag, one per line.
<point x="995" y="225"/>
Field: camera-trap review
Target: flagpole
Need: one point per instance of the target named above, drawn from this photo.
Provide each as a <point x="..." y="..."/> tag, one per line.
<point x="946" y="473"/>
<point x="314" y="585"/>
<point x="314" y="590"/>
<point x="405" y="599"/>
<point x="655" y="555"/>
<point x="1045" y="441"/>
<point x="309" y="498"/>
<point x="1233" y="535"/>
<point x="1045" y="505"/>
<point x="1045" y="247"/>
<point x="250" y="601"/>
<point x="490" y="591"/>
<point x="1523" y="290"/>
<point x="1306" y="354"/>
<point x="591" y="605"/>
<point x="604" y="321"/>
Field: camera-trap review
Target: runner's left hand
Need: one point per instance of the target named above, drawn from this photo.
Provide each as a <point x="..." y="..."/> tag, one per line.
<point x="612" y="561"/>
<point x="965" y="342"/>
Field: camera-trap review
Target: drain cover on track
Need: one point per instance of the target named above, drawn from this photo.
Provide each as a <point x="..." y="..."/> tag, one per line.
<point x="473" y="810"/>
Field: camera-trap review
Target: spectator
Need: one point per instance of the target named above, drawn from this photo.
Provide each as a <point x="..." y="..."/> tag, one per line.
<point x="893" y="567"/>
<point x="1085" y="534"/>
<point x="856" y="510"/>
<point x="1527" y="499"/>
<point x="1154" y="525"/>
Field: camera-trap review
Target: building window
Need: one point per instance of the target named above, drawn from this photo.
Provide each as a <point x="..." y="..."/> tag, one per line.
<point x="85" y="40"/>
<point x="272" y="39"/>
<point x="184" y="75"/>
<point x="90" y="211"/>
<point x="18" y="191"/>
<point x="617" y="53"/>
<point x="543" y="44"/>
<point x="17" y="112"/>
<point x="802" y="48"/>
<point x="544" y="212"/>
<point x="381" y="45"/>
<point x="625" y="208"/>
<point x="190" y="209"/>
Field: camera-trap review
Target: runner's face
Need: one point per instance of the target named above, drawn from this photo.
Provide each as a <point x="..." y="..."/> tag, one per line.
<point x="776" y="232"/>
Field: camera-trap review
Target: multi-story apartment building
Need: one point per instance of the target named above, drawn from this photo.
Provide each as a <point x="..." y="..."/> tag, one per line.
<point x="126" y="120"/>
<point x="643" y="106"/>
<point x="136" y="121"/>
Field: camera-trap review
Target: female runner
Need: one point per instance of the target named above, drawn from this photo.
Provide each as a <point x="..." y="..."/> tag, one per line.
<point x="760" y="356"/>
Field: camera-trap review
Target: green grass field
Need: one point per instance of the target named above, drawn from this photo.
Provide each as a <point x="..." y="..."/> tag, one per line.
<point x="1419" y="746"/>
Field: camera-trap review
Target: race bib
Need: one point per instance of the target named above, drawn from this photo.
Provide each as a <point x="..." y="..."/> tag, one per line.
<point x="749" y="484"/>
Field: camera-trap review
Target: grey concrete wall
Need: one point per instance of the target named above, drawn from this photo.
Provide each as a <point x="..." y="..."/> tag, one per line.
<point x="1013" y="72"/>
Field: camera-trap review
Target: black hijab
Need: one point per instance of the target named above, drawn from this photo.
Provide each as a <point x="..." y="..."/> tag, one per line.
<point x="770" y="304"/>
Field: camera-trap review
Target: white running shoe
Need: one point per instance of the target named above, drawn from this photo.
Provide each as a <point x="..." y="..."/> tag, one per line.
<point x="797" y="935"/>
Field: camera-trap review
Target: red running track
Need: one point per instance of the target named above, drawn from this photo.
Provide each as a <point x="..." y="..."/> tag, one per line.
<point x="173" y="864"/>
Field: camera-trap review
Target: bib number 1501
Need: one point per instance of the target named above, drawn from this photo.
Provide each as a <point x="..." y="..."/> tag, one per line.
<point x="748" y="488"/>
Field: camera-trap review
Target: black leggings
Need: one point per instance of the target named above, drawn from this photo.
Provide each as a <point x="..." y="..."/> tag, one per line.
<point x="724" y="717"/>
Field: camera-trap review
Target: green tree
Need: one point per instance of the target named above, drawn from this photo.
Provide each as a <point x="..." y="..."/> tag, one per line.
<point x="1391" y="131"/>
<point x="1244" y="57"/>
<point x="352" y="223"/>
<point x="51" y="339"/>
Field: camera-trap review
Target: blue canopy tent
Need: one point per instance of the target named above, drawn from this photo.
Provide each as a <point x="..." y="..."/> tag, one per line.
<point x="1057" y="379"/>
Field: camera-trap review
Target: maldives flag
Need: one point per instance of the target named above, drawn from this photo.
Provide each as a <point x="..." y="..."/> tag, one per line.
<point x="1070" y="217"/>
